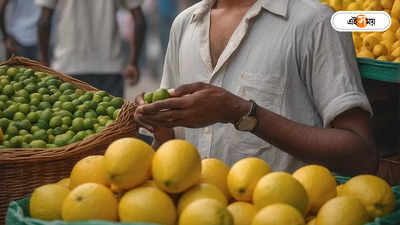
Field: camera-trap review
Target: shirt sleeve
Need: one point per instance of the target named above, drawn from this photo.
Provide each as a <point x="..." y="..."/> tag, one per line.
<point x="133" y="4"/>
<point x="332" y="74"/>
<point x="46" y="3"/>
<point x="170" y="76"/>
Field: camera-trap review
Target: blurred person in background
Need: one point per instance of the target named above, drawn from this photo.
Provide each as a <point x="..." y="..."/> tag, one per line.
<point x="19" y="27"/>
<point x="88" y="43"/>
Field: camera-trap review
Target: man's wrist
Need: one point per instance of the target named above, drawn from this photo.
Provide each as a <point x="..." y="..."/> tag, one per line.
<point x="241" y="108"/>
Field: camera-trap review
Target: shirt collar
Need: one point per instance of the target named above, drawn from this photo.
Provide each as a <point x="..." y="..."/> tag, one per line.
<point x="278" y="7"/>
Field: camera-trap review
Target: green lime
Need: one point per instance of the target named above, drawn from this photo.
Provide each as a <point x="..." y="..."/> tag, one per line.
<point x="33" y="117"/>
<point x="50" y="131"/>
<point x="21" y="69"/>
<point x="18" y="86"/>
<point x="41" y="84"/>
<point x="69" y="92"/>
<point x="99" y="129"/>
<point x="91" y="114"/>
<point x="23" y="132"/>
<point x="79" y="92"/>
<point x="18" y="116"/>
<point x="12" y="71"/>
<point x="40" y="135"/>
<point x="83" y="108"/>
<point x="51" y="146"/>
<point x="30" y="80"/>
<point x="77" y="124"/>
<point x="65" y="127"/>
<point x="20" y="77"/>
<point x="44" y="105"/>
<point x="101" y="110"/>
<point x="36" y="96"/>
<point x="24" y="108"/>
<point x="148" y="97"/>
<point x="79" y="113"/>
<point x="70" y="133"/>
<point x="83" y="98"/>
<point x="38" y="144"/>
<point x="53" y="81"/>
<point x="2" y="105"/>
<point x="63" y="113"/>
<point x="3" y="98"/>
<point x="12" y="130"/>
<point x="53" y="90"/>
<point x="66" y="120"/>
<point x="116" y="113"/>
<point x="76" y="102"/>
<point x="22" y="93"/>
<point x="4" y="81"/>
<point x="8" y="90"/>
<point x="29" y="72"/>
<point x="4" y="122"/>
<point x="102" y="93"/>
<point x="16" y="142"/>
<point x="102" y="121"/>
<point x="66" y="86"/>
<point x="110" y="111"/>
<point x="57" y="104"/>
<point x="28" y="138"/>
<point x="43" y="90"/>
<point x="34" y="129"/>
<point x="31" y="87"/>
<point x="42" y="124"/>
<point x="34" y="102"/>
<point x="65" y="98"/>
<point x="39" y="74"/>
<point x="20" y="99"/>
<point x="117" y="102"/>
<point x="68" y="106"/>
<point x="46" y="98"/>
<point x="106" y="99"/>
<point x="34" y="108"/>
<point x="97" y="98"/>
<point x="108" y="123"/>
<point x="89" y="132"/>
<point x="62" y="139"/>
<point x="55" y="121"/>
<point x="91" y="104"/>
<point x="104" y="104"/>
<point x="58" y="130"/>
<point x="160" y="94"/>
<point x="46" y="114"/>
<point x="25" y="124"/>
<point x="51" y="138"/>
<point x="88" y="123"/>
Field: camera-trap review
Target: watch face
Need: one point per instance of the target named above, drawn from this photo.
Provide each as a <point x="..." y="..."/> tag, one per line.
<point x="247" y="124"/>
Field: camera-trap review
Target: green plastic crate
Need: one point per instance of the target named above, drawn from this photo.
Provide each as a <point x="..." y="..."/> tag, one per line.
<point x="379" y="70"/>
<point x="18" y="214"/>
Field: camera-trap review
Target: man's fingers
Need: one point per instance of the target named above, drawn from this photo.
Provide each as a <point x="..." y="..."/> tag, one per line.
<point x="139" y="100"/>
<point x="189" y="89"/>
<point x="170" y="118"/>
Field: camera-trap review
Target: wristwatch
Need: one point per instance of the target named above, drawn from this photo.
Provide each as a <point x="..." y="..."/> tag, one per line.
<point x="248" y="122"/>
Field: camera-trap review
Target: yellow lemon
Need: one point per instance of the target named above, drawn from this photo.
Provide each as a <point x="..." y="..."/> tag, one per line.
<point x="389" y="35"/>
<point x="397" y="60"/>
<point x="127" y="162"/>
<point x="365" y="54"/>
<point x="357" y="41"/>
<point x="64" y="182"/>
<point x="147" y="204"/>
<point x="345" y="3"/>
<point x="244" y="175"/>
<point x="149" y="183"/>
<point x="374" y="6"/>
<point x="336" y="4"/>
<point x="318" y="192"/>
<point x="214" y="171"/>
<point x="206" y="212"/>
<point x="46" y="202"/>
<point x="242" y="212"/>
<point x="89" y="170"/>
<point x="396" y="44"/>
<point x="370" y="41"/>
<point x="176" y="166"/>
<point x="388" y="44"/>
<point x="312" y="222"/>
<point x="395" y="25"/>
<point x="397" y="34"/>
<point x="339" y="189"/>
<point x="396" y="9"/>
<point x="278" y="214"/>
<point x="280" y="187"/>
<point x="387" y="4"/>
<point x="373" y="192"/>
<point x="354" y="6"/>
<point x="90" y="201"/>
<point x="384" y="58"/>
<point x="201" y="191"/>
<point x="396" y="53"/>
<point x="343" y="210"/>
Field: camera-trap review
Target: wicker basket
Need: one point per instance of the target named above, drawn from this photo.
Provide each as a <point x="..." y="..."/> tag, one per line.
<point x="22" y="170"/>
<point x="389" y="169"/>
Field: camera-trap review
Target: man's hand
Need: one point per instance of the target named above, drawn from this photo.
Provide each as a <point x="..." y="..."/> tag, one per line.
<point x="194" y="105"/>
<point x="131" y="73"/>
<point x="161" y="134"/>
<point x="11" y="45"/>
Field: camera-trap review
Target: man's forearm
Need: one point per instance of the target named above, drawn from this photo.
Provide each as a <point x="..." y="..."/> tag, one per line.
<point x="343" y="151"/>
<point x="44" y="30"/>
<point x="138" y="37"/>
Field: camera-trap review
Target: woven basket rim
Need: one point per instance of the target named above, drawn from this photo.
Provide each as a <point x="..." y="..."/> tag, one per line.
<point x="34" y="155"/>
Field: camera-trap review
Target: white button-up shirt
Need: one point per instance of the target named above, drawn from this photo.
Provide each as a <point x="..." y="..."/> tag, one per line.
<point x="284" y="55"/>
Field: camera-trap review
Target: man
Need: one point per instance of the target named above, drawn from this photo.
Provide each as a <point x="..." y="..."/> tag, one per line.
<point x="88" y="44"/>
<point x="19" y="29"/>
<point x="283" y="55"/>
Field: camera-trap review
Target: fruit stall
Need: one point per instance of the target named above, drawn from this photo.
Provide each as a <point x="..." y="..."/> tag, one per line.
<point x="69" y="154"/>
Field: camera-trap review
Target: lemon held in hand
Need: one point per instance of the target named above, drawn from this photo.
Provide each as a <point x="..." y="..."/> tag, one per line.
<point x="160" y="94"/>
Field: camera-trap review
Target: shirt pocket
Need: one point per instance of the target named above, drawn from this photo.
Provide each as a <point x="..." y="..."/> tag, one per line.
<point x="265" y="89"/>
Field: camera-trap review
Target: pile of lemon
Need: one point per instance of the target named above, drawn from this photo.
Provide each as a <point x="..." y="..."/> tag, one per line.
<point x="375" y="45"/>
<point x="133" y="183"/>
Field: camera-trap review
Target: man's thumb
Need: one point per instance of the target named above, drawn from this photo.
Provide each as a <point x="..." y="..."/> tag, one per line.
<point x="188" y="89"/>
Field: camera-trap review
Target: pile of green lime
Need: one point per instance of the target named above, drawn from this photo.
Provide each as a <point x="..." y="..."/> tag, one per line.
<point x="157" y="95"/>
<point x="38" y="110"/>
